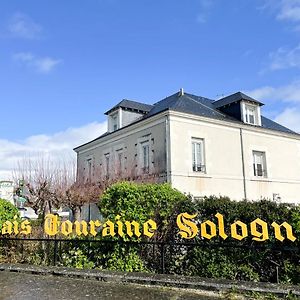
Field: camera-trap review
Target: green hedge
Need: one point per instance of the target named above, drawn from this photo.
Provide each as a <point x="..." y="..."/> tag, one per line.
<point x="7" y="211"/>
<point x="216" y="258"/>
<point x="140" y="202"/>
<point x="246" y="263"/>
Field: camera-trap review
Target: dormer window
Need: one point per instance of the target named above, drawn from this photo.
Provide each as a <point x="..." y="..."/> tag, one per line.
<point x="251" y="113"/>
<point x="125" y="113"/>
<point x="115" y="122"/>
<point x="240" y="107"/>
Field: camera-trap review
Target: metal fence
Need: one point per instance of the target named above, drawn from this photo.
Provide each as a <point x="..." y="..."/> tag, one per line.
<point x="158" y="257"/>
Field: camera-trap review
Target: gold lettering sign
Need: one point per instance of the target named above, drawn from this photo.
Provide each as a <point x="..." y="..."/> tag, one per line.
<point x="188" y="228"/>
<point x="238" y="230"/>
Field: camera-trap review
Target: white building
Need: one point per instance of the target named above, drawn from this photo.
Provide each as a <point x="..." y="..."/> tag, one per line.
<point x="200" y="146"/>
<point x="7" y="191"/>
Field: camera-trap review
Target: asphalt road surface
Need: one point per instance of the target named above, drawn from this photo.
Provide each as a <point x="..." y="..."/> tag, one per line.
<point x="22" y="286"/>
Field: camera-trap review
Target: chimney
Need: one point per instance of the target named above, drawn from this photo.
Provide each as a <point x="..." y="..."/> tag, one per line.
<point x="181" y="92"/>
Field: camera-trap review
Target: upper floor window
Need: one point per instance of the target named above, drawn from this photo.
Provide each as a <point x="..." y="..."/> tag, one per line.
<point x="89" y="169"/>
<point x="251" y="114"/>
<point x="107" y="164"/>
<point x="198" y="155"/>
<point x="259" y="164"/>
<point x="145" y="156"/>
<point x="119" y="161"/>
<point x="115" y="122"/>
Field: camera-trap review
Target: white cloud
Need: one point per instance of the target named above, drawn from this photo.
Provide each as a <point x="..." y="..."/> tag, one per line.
<point x="285" y="93"/>
<point x="289" y="10"/>
<point x="285" y="58"/>
<point x="22" y="26"/>
<point x="58" y="147"/>
<point x="284" y="10"/>
<point x="46" y="64"/>
<point x="290" y="118"/>
<point x="39" y="64"/>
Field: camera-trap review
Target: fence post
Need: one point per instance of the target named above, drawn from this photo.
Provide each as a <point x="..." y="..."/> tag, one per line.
<point x="55" y="252"/>
<point x="162" y="258"/>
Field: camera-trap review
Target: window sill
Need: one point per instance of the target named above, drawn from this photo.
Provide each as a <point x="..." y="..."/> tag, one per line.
<point x="198" y="174"/>
<point x="260" y="179"/>
<point x="252" y="124"/>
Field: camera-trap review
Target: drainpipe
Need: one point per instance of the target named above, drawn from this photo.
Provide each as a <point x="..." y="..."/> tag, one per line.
<point x="243" y="163"/>
<point x="168" y="152"/>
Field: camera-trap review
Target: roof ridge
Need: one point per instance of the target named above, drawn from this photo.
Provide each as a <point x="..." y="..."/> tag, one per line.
<point x="236" y="93"/>
<point x="227" y="97"/>
<point x="214" y="110"/>
<point x="201" y="97"/>
<point x="164" y="99"/>
<point x="125" y="99"/>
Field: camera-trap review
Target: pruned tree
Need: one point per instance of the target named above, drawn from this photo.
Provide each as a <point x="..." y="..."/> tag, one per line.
<point x="43" y="180"/>
<point x="76" y="195"/>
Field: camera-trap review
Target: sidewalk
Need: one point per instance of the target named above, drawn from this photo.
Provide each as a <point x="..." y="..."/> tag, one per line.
<point x="159" y="280"/>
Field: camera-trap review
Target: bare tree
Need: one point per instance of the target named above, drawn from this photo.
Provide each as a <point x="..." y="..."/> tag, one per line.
<point x="76" y="195"/>
<point x="52" y="185"/>
<point x="43" y="179"/>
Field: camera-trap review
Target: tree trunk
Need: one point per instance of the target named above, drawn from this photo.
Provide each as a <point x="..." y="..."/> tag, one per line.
<point x="77" y="213"/>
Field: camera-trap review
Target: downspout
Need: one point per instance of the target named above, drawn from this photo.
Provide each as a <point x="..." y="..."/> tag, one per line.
<point x="168" y="151"/>
<point x="243" y="164"/>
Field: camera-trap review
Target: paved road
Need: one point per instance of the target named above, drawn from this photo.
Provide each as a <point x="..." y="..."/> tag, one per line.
<point x="21" y="286"/>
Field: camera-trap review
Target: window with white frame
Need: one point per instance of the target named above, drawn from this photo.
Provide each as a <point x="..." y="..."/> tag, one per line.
<point x="115" y="122"/>
<point x="198" y="162"/>
<point x="251" y="114"/>
<point x="259" y="164"/>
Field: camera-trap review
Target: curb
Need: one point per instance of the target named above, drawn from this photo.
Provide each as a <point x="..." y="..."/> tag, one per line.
<point x="162" y="280"/>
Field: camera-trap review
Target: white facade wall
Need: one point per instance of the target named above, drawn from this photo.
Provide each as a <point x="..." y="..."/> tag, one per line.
<point x="283" y="166"/>
<point x="129" y="117"/>
<point x="227" y="174"/>
<point x="7" y="191"/>
<point x="224" y="164"/>
<point x="128" y="141"/>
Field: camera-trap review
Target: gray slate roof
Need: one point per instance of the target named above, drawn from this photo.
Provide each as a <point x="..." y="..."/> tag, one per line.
<point x="195" y="105"/>
<point x="188" y="103"/>
<point x="200" y="106"/>
<point x="267" y="123"/>
<point x="134" y="105"/>
<point x="234" y="98"/>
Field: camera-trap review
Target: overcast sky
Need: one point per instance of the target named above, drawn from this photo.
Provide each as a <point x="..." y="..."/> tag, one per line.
<point x="63" y="63"/>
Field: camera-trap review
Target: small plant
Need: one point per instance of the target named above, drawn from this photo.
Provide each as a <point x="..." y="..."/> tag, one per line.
<point x="77" y="259"/>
